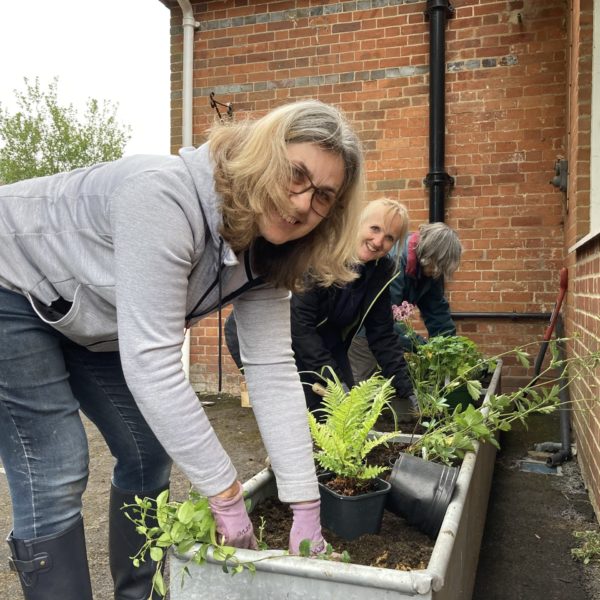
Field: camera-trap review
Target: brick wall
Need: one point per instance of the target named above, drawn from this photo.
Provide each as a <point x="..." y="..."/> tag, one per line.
<point x="509" y="81"/>
<point x="505" y="84"/>
<point x="583" y="313"/>
<point x="585" y="392"/>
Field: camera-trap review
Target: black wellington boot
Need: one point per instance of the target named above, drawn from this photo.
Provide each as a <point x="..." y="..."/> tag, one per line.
<point x="131" y="583"/>
<point x="53" y="567"/>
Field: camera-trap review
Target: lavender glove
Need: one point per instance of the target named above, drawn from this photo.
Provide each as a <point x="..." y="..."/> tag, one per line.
<point x="307" y="526"/>
<point x="232" y="520"/>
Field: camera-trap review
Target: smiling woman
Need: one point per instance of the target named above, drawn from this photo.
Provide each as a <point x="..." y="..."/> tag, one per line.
<point x="325" y="319"/>
<point x="309" y="205"/>
<point x="264" y="163"/>
<point x="383" y="223"/>
<point x="154" y="243"/>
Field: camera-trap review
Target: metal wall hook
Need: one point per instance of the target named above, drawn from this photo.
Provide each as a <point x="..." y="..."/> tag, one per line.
<point x="215" y="104"/>
<point x="561" y="172"/>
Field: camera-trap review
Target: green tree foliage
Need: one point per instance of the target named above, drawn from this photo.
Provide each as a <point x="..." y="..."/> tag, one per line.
<point x="43" y="137"/>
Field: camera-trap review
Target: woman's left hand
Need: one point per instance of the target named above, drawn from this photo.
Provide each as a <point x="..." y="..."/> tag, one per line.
<point x="307" y="526"/>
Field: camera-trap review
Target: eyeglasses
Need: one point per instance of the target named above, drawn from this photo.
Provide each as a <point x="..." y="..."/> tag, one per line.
<point x="321" y="201"/>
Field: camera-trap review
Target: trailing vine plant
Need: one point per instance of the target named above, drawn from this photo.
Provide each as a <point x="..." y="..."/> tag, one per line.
<point x="190" y="525"/>
<point x="449" y="435"/>
<point x="181" y="525"/>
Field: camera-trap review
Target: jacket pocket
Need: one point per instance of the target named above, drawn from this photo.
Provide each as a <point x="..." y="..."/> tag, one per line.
<point x="91" y="320"/>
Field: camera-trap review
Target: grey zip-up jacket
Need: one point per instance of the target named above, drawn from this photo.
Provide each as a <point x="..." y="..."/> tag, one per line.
<point x="134" y="245"/>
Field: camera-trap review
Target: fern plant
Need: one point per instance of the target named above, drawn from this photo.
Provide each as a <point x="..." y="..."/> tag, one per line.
<point x="342" y="439"/>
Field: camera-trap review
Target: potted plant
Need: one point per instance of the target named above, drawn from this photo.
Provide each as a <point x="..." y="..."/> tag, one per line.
<point x="352" y="493"/>
<point x="423" y="477"/>
<point x="445" y="370"/>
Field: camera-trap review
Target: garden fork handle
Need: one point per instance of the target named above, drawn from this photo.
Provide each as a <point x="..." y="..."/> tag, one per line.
<point x="317" y="388"/>
<point x="555" y="312"/>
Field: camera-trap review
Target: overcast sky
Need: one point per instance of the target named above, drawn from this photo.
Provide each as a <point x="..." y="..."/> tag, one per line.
<point x="115" y="50"/>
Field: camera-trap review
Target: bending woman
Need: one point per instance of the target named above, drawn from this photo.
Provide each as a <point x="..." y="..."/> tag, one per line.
<point x="325" y="319"/>
<point x="426" y="259"/>
<point x="102" y="269"/>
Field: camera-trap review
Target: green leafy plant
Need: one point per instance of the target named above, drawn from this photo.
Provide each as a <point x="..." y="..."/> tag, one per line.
<point x="188" y="524"/>
<point x="447" y="358"/>
<point x="448" y="436"/>
<point x="444" y="365"/>
<point x="590" y="549"/>
<point x="441" y="365"/>
<point x="343" y="439"/>
<point x="181" y="525"/>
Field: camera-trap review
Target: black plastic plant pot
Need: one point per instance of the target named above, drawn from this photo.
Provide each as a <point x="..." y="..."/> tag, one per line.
<point x="352" y="516"/>
<point x="421" y="491"/>
<point x="460" y="396"/>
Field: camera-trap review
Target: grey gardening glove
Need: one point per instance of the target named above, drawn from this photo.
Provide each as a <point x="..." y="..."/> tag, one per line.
<point x="414" y="404"/>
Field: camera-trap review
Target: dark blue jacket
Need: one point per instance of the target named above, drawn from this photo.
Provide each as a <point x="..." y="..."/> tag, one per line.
<point x="425" y="292"/>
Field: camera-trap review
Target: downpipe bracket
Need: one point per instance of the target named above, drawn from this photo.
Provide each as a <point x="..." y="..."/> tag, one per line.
<point x="437" y="4"/>
<point x="438" y="178"/>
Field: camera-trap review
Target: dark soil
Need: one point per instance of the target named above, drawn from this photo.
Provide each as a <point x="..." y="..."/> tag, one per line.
<point x="385" y="456"/>
<point x="349" y="486"/>
<point x="396" y="546"/>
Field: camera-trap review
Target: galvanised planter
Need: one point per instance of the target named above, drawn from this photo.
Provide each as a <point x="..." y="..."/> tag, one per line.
<point x="450" y="574"/>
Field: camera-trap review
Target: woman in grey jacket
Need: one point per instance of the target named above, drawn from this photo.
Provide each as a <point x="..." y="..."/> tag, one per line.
<point x="102" y="269"/>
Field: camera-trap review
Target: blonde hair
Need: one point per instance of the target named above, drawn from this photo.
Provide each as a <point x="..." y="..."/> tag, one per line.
<point x="439" y="249"/>
<point x="253" y="174"/>
<point x="393" y="208"/>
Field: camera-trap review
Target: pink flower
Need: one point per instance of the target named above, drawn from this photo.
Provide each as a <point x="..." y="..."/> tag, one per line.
<point x="404" y="311"/>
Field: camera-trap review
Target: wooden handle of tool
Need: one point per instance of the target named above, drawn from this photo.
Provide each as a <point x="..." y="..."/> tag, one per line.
<point x="317" y="388"/>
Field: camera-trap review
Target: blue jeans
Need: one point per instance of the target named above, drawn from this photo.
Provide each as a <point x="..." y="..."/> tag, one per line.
<point x="45" y="380"/>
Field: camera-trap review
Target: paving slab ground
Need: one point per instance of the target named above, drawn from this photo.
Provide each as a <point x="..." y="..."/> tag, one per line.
<point x="526" y="546"/>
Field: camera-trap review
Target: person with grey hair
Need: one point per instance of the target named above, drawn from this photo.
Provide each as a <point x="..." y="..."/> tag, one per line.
<point x="427" y="257"/>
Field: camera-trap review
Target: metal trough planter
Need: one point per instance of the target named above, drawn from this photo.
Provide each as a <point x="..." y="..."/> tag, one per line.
<point x="450" y="574"/>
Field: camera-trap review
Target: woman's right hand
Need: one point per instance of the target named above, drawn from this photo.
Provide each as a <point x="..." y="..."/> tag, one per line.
<point x="307" y="526"/>
<point x="233" y="523"/>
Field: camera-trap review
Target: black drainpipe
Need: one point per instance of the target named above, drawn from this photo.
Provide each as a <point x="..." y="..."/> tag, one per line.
<point x="512" y="316"/>
<point x="437" y="179"/>
<point x="564" y="453"/>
